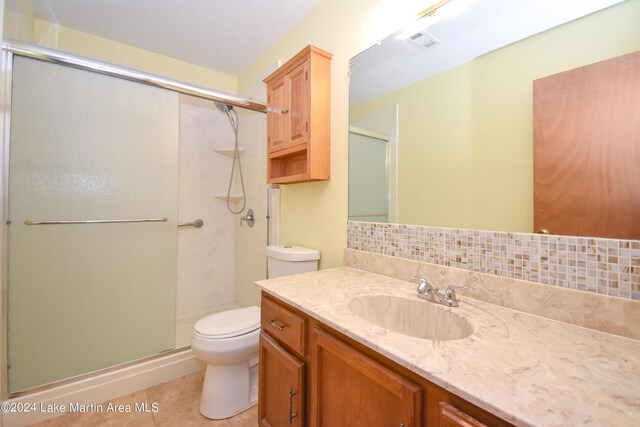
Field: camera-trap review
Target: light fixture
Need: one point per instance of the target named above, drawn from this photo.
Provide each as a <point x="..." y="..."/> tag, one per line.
<point x="435" y="13"/>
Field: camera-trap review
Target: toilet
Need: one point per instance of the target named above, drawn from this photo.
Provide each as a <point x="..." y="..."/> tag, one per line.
<point x="285" y="260"/>
<point x="228" y="342"/>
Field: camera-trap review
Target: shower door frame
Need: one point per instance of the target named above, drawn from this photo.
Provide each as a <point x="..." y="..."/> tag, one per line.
<point x="11" y="48"/>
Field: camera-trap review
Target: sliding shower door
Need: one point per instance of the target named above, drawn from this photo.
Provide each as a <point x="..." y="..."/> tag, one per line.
<point x="368" y="178"/>
<point x="87" y="295"/>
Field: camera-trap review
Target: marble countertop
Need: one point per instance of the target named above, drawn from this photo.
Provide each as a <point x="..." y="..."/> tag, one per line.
<point x="527" y="369"/>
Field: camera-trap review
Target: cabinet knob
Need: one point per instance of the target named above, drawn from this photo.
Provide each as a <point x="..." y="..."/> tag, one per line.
<point x="284" y="111"/>
<point x="542" y="231"/>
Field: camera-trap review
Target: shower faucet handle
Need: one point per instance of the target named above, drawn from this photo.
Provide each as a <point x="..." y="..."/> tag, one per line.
<point x="249" y="218"/>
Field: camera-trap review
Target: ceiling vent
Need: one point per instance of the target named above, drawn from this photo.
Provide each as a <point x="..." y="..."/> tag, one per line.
<point x="424" y="40"/>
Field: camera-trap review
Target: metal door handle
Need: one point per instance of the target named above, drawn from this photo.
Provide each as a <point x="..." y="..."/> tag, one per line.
<point x="275" y="324"/>
<point x="292" y="414"/>
<point x="198" y="223"/>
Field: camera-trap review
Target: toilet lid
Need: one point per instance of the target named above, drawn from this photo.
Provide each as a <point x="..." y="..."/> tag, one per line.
<point x="230" y="323"/>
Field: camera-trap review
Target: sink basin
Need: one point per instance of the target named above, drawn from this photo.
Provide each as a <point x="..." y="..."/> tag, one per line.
<point x="412" y="317"/>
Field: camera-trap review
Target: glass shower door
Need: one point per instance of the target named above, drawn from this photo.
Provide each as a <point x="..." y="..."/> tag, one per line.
<point x="368" y="178"/>
<point x="85" y="296"/>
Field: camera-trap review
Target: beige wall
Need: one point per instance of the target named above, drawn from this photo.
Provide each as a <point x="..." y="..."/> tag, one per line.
<point x="18" y="20"/>
<point x="315" y="214"/>
<point x="70" y="40"/>
<point x="22" y="26"/>
<point x="465" y="135"/>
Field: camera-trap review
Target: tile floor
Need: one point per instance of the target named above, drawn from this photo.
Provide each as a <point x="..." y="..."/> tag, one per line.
<point x="178" y="403"/>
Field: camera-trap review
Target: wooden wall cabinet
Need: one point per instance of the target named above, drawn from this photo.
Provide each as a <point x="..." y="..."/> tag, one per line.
<point x="338" y="382"/>
<point x="298" y="118"/>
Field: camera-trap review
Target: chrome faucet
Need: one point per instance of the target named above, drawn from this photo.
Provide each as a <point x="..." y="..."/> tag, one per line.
<point x="428" y="292"/>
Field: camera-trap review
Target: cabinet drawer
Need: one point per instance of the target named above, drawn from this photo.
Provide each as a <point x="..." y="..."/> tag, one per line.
<point x="285" y="326"/>
<point x="453" y="417"/>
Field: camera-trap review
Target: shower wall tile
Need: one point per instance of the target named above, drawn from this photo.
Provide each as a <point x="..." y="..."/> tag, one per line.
<point x="206" y="256"/>
<point x="604" y="266"/>
<point x="251" y="245"/>
<point x="251" y="248"/>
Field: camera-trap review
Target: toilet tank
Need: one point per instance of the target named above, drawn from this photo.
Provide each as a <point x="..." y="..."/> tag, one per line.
<point x="284" y="260"/>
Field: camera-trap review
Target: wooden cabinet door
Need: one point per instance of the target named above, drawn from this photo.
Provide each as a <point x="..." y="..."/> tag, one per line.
<point x="288" y="114"/>
<point x="297" y="119"/>
<point x="350" y="389"/>
<point x="276" y="123"/>
<point x="281" y="386"/>
<point x="586" y="150"/>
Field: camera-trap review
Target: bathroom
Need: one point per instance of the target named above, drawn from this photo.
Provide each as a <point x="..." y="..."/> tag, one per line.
<point x="312" y="214"/>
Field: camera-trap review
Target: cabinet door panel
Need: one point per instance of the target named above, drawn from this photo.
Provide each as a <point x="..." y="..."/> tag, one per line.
<point x="277" y="96"/>
<point x="298" y="116"/>
<point x="349" y="389"/>
<point x="281" y="401"/>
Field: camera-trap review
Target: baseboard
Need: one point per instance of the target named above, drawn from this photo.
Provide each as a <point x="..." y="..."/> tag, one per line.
<point x="98" y="389"/>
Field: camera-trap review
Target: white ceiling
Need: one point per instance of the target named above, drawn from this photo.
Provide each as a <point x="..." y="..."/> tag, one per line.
<point x="224" y="35"/>
<point x="484" y="26"/>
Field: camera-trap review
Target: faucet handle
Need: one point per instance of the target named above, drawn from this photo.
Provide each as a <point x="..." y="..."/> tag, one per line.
<point x="450" y="293"/>
<point x="423" y="285"/>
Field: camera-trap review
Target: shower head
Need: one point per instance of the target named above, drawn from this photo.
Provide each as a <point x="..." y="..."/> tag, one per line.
<point x="225" y="108"/>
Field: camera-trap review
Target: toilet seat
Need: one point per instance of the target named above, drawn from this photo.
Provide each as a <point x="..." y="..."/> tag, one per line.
<point x="228" y="324"/>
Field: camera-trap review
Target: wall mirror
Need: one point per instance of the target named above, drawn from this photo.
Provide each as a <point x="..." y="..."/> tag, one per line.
<point x="448" y="107"/>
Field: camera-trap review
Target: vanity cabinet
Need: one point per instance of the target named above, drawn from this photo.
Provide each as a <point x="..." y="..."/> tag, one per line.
<point x="281" y="371"/>
<point x="349" y="388"/>
<point x="281" y="386"/>
<point x="298" y="118"/>
<point x="320" y="377"/>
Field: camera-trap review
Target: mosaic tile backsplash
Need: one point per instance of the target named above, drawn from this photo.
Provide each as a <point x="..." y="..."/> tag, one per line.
<point x="605" y="266"/>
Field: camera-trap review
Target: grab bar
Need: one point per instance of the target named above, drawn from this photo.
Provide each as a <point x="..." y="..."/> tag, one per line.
<point x="198" y="223"/>
<point x="93" y="221"/>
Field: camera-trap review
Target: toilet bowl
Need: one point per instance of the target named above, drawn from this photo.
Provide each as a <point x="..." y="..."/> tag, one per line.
<point x="228" y="343"/>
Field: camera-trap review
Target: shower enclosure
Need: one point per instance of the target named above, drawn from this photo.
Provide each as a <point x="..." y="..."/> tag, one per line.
<point x="104" y="290"/>
<point x="368" y="176"/>
<point x="96" y="165"/>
